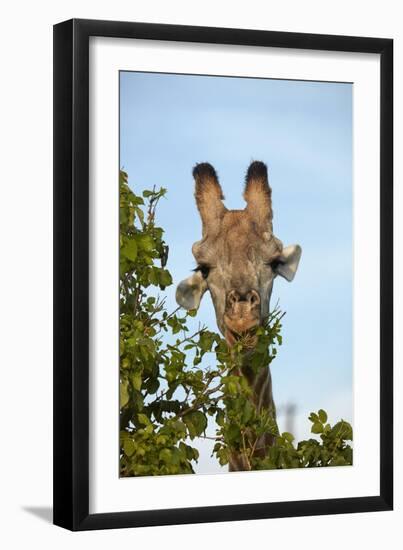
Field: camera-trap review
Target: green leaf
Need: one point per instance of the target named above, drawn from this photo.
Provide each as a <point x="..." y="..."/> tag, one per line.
<point x="338" y="461"/>
<point x="289" y="437"/>
<point x="313" y="417"/>
<point x="122" y="177"/>
<point x="152" y="385"/>
<point x="322" y="416"/>
<point x="129" y="447"/>
<point x="123" y="393"/>
<point x="248" y="411"/>
<point x="129" y="250"/>
<point x="233" y="434"/>
<point x="140" y="214"/>
<point x="165" y="278"/>
<point x="180" y="428"/>
<point x="199" y="421"/>
<point x="165" y="455"/>
<point x="196" y="423"/>
<point x="153" y="276"/>
<point x="136" y="380"/>
<point x="317" y="428"/>
<point x="145" y="242"/>
<point x="143" y="419"/>
<point x="220" y="417"/>
<point x="342" y="430"/>
<point x="232" y="386"/>
<point x="206" y="340"/>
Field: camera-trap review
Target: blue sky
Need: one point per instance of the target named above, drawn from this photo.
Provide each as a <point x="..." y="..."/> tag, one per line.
<point x="303" y="132"/>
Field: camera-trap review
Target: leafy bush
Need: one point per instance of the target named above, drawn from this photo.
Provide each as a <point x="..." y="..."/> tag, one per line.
<point x="331" y="451"/>
<point x="166" y="398"/>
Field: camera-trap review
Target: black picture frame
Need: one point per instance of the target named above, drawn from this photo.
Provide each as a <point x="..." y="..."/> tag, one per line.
<point x="71" y="273"/>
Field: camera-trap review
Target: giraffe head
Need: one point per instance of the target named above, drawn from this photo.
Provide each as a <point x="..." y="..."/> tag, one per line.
<point x="238" y="256"/>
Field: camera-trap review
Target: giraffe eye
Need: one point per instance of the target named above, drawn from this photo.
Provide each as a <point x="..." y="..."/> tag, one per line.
<point x="204" y="270"/>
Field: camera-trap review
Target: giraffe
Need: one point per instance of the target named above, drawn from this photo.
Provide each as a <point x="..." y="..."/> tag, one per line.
<point x="238" y="259"/>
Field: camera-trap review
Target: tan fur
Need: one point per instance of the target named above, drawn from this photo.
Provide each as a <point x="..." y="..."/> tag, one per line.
<point x="257" y="195"/>
<point x="209" y="198"/>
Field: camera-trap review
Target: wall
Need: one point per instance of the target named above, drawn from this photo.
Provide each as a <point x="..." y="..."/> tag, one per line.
<point x="25" y="300"/>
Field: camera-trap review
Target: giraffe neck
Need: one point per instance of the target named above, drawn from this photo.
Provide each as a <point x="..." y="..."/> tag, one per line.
<point x="261" y="384"/>
<point x="262" y="398"/>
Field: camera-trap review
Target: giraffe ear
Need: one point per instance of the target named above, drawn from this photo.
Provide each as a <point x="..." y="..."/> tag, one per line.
<point x="257" y="194"/>
<point x="189" y="292"/>
<point x="286" y="264"/>
<point x="209" y="197"/>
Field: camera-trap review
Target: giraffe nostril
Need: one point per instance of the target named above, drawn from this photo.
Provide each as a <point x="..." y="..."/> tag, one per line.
<point x="253" y="298"/>
<point x="233" y="297"/>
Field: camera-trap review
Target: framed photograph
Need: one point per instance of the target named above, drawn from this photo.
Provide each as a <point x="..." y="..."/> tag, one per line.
<point x="223" y="259"/>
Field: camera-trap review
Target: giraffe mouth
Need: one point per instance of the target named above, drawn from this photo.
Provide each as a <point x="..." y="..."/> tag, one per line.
<point x="231" y="336"/>
<point x="238" y="329"/>
<point x="249" y="338"/>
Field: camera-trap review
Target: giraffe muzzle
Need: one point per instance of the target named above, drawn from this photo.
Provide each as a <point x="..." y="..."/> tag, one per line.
<point x="242" y="313"/>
